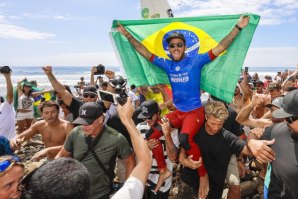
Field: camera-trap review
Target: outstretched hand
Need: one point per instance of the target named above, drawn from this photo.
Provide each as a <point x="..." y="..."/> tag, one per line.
<point x="243" y="21"/>
<point x="122" y="30"/>
<point x="261" y="150"/>
<point x="47" y="70"/>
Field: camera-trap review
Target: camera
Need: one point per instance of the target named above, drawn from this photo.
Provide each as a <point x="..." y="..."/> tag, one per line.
<point x="119" y="83"/>
<point x="100" y="70"/>
<point x="5" y="69"/>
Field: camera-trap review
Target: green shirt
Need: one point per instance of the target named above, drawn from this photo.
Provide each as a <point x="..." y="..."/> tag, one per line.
<point x="110" y="145"/>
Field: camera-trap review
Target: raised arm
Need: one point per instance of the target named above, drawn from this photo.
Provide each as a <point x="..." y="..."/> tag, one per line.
<point x="9" y="90"/>
<point x="141" y="149"/>
<point x="225" y="43"/>
<point x="16" y="142"/>
<point x="172" y="150"/>
<point x="135" y="43"/>
<point x="59" y="88"/>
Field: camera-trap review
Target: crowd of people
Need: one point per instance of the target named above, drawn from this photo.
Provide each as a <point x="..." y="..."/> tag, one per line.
<point x="90" y="142"/>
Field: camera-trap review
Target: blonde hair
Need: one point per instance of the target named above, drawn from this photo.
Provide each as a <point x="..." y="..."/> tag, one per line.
<point x="12" y="163"/>
<point x="217" y="109"/>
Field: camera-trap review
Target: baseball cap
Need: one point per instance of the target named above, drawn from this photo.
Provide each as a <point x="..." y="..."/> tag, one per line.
<point x="90" y="89"/>
<point x="149" y="108"/>
<point x="89" y="112"/>
<point x="175" y="35"/>
<point x="289" y="107"/>
<point x="276" y="102"/>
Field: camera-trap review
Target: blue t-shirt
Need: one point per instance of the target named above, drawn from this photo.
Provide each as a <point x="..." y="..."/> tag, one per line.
<point x="185" y="77"/>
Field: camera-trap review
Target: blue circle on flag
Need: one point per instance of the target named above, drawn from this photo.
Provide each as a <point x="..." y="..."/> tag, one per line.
<point x="192" y="42"/>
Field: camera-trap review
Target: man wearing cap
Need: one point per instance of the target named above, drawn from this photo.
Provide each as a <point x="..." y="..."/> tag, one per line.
<point x="274" y="89"/>
<point x="164" y="145"/>
<point x="92" y="141"/>
<point x="284" y="174"/>
<point x="89" y="93"/>
<point x="184" y="73"/>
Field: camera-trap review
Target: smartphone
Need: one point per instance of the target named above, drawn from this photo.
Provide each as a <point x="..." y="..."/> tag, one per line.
<point x="107" y="96"/>
<point x="246" y="69"/>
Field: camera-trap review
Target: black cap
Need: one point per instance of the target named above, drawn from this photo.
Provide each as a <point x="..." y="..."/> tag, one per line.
<point x="175" y="35"/>
<point x="90" y="89"/>
<point x="88" y="113"/>
<point x="149" y="108"/>
<point x="289" y="107"/>
<point x="276" y="102"/>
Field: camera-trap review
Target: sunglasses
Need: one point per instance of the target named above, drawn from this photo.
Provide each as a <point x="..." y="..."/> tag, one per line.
<point x="7" y="163"/>
<point x="91" y="95"/>
<point x="179" y="45"/>
<point x="292" y="119"/>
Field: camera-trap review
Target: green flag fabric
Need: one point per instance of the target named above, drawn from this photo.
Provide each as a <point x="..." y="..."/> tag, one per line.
<point x="218" y="78"/>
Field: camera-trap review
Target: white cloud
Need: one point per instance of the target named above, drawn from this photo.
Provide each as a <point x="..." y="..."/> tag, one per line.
<point x="46" y="16"/>
<point x="272" y="56"/>
<point x="272" y="12"/>
<point x="16" y="32"/>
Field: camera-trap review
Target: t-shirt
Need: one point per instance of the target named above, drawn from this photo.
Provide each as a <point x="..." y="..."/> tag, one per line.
<point x="185" y="77"/>
<point x="216" y="152"/>
<point x="154" y="173"/>
<point x="25" y="103"/>
<point x="132" y="188"/>
<point x="74" y="107"/>
<point x="111" y="145"/>
<point x="7" y="118"/>
<point x="284" y="171"/>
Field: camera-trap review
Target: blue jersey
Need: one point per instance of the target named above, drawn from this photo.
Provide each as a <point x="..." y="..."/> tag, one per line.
<point x="185" y="77"/>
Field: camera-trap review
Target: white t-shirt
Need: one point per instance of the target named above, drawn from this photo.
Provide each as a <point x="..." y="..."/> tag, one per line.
<point x="133" y="97"/>
<point x="132" y="188"/>
<point x="7" y="120"/>
<point x="154" y="173"/>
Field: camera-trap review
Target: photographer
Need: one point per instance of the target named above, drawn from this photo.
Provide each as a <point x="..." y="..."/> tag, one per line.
<point x="97" y="70"/>
<point x="7" y="112"/>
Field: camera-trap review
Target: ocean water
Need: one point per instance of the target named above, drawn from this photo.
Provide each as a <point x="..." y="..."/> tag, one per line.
<point x="71" y="75"/>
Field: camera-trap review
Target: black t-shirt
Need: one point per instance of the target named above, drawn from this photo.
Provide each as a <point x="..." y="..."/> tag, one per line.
<point x="284" y="173"/>
<point x="216" y="152"/>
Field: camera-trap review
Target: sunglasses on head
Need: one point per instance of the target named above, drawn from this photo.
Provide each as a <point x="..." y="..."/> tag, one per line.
<point x="91" y="95"/>
<point x="7" y="163"/>
<point x="292" y="119"/>
<point x="173" y="45"/>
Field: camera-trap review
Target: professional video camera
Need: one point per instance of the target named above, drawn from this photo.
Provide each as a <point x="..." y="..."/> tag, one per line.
<point x="119" y="83"/>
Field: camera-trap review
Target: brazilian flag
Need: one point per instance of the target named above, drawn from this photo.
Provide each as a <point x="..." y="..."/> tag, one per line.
<point x="219" y="77"/>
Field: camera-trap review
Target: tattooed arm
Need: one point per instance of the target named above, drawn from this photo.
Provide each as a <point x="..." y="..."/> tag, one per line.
<point x="225" y="43"/>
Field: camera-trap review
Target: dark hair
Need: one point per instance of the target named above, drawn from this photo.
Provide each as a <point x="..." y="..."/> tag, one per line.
<point x="49" y="103"/>
<point x="132" y="87"/>
<point x="62" y="178"/>
<point x="104" y="83"/>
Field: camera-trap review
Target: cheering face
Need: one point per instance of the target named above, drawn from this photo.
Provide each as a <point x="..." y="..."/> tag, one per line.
<point x="177" y="49"/>
<point x="50" y="114"/>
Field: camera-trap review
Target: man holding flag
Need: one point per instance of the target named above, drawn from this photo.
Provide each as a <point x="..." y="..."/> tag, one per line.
<point x="184" y="75"/>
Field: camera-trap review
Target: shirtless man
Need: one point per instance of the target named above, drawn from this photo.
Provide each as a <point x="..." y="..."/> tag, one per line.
<point x="52" y="129"/>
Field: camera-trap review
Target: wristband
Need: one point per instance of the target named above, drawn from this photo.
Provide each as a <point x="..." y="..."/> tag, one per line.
<point x="238" y="27"/>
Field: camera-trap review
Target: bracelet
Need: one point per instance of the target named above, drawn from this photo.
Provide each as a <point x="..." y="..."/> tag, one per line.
<point x="238" y="27"/>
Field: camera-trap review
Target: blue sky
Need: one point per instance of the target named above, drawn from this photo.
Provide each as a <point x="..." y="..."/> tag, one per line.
<point x="75" y="32"/>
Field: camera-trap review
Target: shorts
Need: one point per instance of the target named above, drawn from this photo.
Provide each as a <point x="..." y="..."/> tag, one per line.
<point x="232" y="177"/>
<point x="24" y="116"/>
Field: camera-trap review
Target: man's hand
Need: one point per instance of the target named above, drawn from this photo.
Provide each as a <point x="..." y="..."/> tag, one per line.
<point x="166" y="127"/>
<point x="110" y="74"/>
<point x="125" y="111"/>
<point x="15" y="143"/>
<point x="93" y="70"/>
<point x="204" y="187"/>
<point x="122" y="30"/>
<point x="152" y="143"/>
<point x="243" y="21"/>
<point x="6" y="75"/>
<point x="47" y="70"/>
<point x="261" y="150"/>
<point x="37" y="156"/>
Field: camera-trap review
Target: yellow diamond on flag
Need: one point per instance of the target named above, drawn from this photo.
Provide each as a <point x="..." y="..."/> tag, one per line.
<point x="156" y="44"/>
